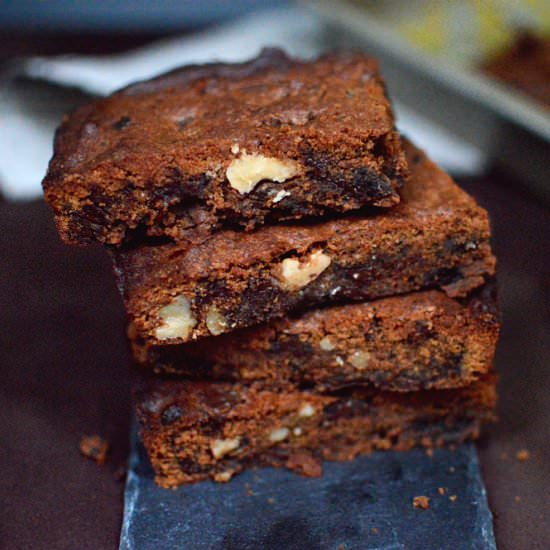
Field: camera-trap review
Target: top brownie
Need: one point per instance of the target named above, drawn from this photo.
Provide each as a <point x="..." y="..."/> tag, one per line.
<point x="241" y="144"/>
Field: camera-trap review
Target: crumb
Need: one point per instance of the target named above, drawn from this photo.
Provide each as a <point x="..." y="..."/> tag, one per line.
<point x="374" y="530"/>
<point x="522" y="455"/>
<point x="120" y="473"/>
<point x="304" y="464"/>
<point x="452" y="498"/>
<point x="517" y="498"/>
<point x="94" y="448"/>
<point x="429" y="452"/>
<point x="452" y="469"/>
<point x="425" y="442"/>
<point x="441" y="490"/>
<point x="270" y="500"/>
<point x="248" y="490"/>
<point x="421" y="502"/>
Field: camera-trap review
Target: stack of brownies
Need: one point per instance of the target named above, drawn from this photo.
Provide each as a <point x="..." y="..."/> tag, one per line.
<point x="302" y="283"/>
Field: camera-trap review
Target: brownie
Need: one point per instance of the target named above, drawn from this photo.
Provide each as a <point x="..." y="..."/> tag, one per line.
<point x="524" y="65"/>
<point x="199" y="430"/>
<point x="436" y="237"/>
<point x="271" y="139"/>
<point x="418" y="341"/>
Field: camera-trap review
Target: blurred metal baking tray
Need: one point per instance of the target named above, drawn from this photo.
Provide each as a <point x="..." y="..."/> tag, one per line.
<point x="511" y="129"/>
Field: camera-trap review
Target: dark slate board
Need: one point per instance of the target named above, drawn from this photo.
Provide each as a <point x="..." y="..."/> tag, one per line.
<point x="364" y="504"/>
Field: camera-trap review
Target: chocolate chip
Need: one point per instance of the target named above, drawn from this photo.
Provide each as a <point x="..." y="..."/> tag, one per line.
<point x="170" y="415"/>
<point x="122" y="123"/>
<point x="378" y="186"/>
<point x="184" y="122"/>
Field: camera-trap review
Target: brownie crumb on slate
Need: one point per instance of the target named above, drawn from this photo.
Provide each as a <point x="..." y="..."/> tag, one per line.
<point x="421" y="502"/>
<point x="304" y="464"/>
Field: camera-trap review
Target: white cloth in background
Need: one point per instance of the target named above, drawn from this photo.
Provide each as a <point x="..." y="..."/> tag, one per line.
<point x="26" y="136"/>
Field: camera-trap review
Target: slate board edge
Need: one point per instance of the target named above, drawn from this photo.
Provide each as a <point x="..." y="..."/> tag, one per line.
<point x="132" y="495"/>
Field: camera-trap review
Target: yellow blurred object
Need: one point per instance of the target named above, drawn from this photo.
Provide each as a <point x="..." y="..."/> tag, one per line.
<point x="429" y="30"/>
<point x="468" y="29"/>
<point x="541" y="10"/>
<point x="494" y="33"/>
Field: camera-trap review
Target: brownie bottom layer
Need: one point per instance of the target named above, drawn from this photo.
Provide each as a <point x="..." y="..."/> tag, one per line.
<point x="194" y="431"/>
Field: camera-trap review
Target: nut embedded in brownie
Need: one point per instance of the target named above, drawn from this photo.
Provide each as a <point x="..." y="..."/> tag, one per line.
<point x="436" y="237"/>
<point x="269" y="140"/>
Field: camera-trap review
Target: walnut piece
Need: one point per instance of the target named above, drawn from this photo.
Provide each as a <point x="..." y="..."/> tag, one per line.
<point x="295" y="275"/>
<point x="245" y="172"/>
<point x="223" y="477"/>
<point x="325" y="344"/>
<point x="215" y="321"/>
<point x="278" y="435"/>
<point x="306" y="410"/>
<point x="281" y="195"/>
<point x="220" y="447"/>
<point x="359" y="359"/>
<point x="177" y="320"/>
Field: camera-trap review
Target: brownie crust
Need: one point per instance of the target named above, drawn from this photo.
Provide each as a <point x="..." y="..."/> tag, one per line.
<point x="423" y="340"/>
<point x="206" y="430"/>
<point x="318" y="137"/>
<point x="436" y="237"/>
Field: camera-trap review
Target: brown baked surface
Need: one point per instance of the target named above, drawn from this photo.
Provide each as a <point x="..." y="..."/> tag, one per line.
<point x="147" y="157"/>
<point x="436" y="237"/>
<point x="199" y="430"/>
<point x="525" y="65"/>
<point x="423" y="340"/>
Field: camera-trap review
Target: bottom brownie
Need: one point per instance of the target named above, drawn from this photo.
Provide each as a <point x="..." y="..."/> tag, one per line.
<point x="199" y="430"/>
